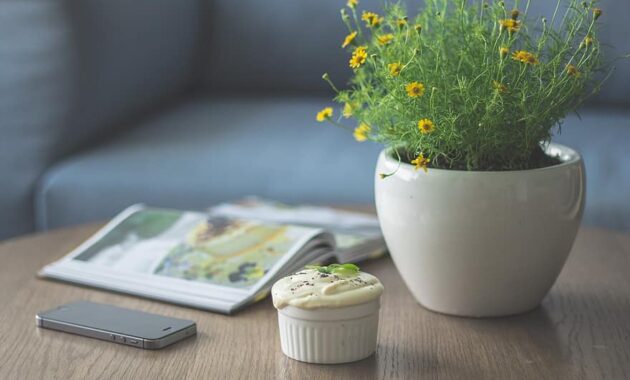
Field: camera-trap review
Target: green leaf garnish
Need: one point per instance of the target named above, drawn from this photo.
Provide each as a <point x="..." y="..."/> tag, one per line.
<point x="347" y="269"/>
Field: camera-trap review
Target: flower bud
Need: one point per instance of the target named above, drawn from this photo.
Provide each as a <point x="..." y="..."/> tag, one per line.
<point x="344" y="15"/>
<point x="586" y="42"/>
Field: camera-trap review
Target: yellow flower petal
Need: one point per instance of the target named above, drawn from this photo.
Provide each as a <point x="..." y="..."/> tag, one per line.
<point x="348" y="110"/>
<point x="349" y="39"/>
<point x="361" y="132"/>
<point x="426" y="126"/>
<point x="395" y="68"/>
<point x="503" y="51"/>
<point x="324" y="114"/>
<point x="415" y="89"/>
<point x="510" y="25"/>
<point x="525" y="57"/>
<point x="385" y="39"/>
<point x="371" y="19"/>
<point x="421" y="162"/>
<point x="359" y="56"/>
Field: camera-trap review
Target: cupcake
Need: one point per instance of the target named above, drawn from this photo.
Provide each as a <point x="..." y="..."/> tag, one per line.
<point x="328" y="314"/>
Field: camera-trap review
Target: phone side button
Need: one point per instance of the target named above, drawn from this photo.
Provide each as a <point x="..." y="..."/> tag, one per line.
<point x="133" y="341"/>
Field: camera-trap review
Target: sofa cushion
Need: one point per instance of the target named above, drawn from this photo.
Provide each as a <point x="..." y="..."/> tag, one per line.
<point x="206" y="151"/>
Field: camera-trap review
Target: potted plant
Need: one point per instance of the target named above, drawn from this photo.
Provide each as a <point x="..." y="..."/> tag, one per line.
<point x="478" y="208"/>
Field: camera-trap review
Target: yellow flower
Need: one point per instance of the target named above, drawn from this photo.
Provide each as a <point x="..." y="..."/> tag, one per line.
<point x="500" y="87"/>
<point x="384" y="39"/>
<point x="421" y="162"/>
<point x="349" y="38"/>
<point x="503" y="51"/>
<point x="395" y="68"/>
<point x="402" y="22"/>
<point x="418" y="28"/>
<point x="348" y="110"/>
<point x="426" y="126"/>
<point x="359" y="56"/>
<point x="352" y="3"/>
<point x="371" y="19"/>
<point x="325" y="114"/>
<point x="361" y="132"/>
<point x="525" y="57"/>
<point x="415" y="89"/>
<point x="510" y="24"/>
<point x="597" y="12"/>
<point x="573" y="71"/>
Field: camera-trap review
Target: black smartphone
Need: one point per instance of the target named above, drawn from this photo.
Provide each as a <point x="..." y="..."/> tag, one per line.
<point x="116" y="324"/>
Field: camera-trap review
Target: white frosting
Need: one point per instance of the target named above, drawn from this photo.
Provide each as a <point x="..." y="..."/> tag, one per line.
<point x="311" y="289"/>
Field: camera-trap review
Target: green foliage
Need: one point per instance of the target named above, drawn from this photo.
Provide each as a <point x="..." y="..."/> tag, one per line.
<point x="347" y="269"/>
<point x="491" y="106"/>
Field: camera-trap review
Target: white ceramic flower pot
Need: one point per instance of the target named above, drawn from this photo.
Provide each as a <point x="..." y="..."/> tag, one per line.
<point x="480" y="244"/>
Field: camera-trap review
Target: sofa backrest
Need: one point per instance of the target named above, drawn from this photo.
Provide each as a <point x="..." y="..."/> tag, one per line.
<point x="35" y="98"/>
<point x="280" y="45"/>
<point x="72" y="70"/>
<point x="275" y="45"/>
<point x="131" y="56"/>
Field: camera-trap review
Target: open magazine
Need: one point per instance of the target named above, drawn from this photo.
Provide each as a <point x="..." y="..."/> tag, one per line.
<point x="358" y="236"/>
<point x="221" y="260"/>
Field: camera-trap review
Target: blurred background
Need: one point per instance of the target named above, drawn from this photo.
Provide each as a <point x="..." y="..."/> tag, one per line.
<point x="187" y="103"/>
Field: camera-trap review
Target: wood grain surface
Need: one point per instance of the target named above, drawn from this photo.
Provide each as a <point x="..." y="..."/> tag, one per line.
<point x="581" y="330"/>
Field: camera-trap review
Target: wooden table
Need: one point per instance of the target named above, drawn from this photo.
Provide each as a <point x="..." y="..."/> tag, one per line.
<point x="582" y="329"/>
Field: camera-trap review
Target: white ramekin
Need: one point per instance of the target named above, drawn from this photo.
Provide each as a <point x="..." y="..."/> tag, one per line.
<point x="329" y="335"/>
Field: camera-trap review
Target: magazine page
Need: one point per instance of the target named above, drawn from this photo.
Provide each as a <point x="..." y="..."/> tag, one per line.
<point x="358" y="235"/>
<point x="178" y="256"/>
<point x="315" y="255"/>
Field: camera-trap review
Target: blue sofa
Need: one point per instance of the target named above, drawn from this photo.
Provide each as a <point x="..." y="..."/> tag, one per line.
<point x="186" y="103"/>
